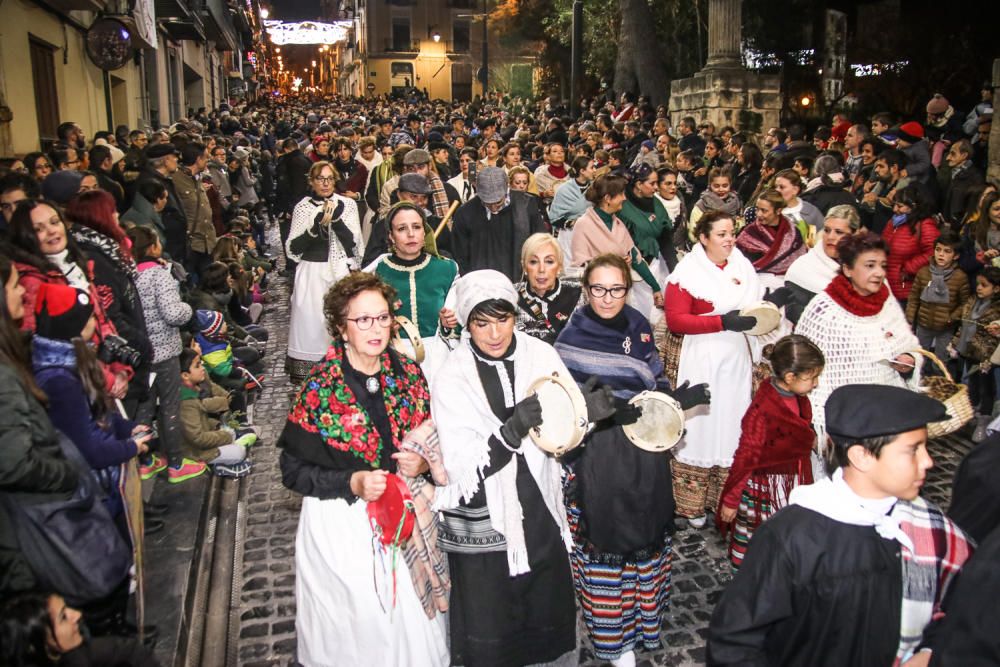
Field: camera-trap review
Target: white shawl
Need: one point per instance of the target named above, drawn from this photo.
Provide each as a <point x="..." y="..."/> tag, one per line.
<point x="814" y="270"/>
<point x="338" y="262"/>
<point x="731" y="287"/>
<point x="465" y="423"/>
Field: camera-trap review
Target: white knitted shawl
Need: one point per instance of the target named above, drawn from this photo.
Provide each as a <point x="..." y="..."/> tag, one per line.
<point x="853" y="346"/>
<point x="338" y="262"/>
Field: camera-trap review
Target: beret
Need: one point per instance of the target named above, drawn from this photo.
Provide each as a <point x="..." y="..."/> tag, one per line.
<point x="858" y="411"/>
<point x="161" y="150"/>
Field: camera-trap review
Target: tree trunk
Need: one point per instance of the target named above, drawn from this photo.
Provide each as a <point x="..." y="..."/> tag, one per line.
<point x="640" y="65"/>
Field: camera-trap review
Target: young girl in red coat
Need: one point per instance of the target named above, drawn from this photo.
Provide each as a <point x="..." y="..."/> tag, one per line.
<point x="775" y="444"/>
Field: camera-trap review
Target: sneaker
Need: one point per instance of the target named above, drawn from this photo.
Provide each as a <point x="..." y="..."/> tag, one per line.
<point x="698" y="522"/>
<point x="185" y="471"/>
<point x="234" y="470"/>
<point x="155" y="466"/>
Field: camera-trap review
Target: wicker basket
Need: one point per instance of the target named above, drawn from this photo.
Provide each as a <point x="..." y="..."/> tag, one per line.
<point x="955" y="397"/>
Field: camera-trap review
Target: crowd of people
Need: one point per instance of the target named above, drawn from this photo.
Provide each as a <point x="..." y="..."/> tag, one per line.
<point x="446" y="258"/>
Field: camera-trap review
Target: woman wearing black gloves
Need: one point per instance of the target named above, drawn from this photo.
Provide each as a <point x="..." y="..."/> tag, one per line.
<point x="704" y="296"/>
<point x="502" y="517"/>
<point x="325" y="239"/>
<point x="620" y="497"/>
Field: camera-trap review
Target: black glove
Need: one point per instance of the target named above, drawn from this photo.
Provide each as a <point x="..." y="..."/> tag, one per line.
<point x="338" y="211"/>
<point x="343" y="235"/>
<point x="779" y="297"/>
<point x="733" y="321"/>
<point x="600" y="401"/>
<point x="626" y="413"/>
<point x="527" y="415"/>
<point x="689" y="396"/>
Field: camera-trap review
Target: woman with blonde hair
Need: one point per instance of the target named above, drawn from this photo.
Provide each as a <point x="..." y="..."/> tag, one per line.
<point x="545" y="300"/>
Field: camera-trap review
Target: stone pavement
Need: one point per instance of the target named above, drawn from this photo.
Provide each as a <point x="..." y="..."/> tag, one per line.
<point x="267" y="597"/>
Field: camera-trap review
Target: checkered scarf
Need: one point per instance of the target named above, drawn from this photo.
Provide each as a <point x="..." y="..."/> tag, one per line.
<point x="937" y="551"/>
<point x="439" y="197"/>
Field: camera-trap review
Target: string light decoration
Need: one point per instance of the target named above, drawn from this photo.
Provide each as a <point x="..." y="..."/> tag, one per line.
<point x="307" y="32"/>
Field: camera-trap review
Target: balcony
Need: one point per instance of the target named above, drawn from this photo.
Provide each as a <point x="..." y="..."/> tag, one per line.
<point x="78" y="5"/>
<point x="219" y="26"/>
<point x="179" y="21"/>
<point x="392" y="46"/>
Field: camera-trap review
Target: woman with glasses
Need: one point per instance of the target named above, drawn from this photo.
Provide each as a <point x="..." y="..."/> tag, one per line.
<point x="704" y="296"/>
<point x="344" y="433"/>
<point x="325" y="239"/>
<point x="39" y="166"/>
<point x="423" y="281"/>
<point x="619" y="497"/>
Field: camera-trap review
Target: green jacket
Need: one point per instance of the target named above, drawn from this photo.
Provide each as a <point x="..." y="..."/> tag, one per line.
<point x="202" y="433"/>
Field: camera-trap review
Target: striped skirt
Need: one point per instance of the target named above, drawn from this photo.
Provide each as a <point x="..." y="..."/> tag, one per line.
<point x="624" y="601"/>
<point x="755" y="508"/>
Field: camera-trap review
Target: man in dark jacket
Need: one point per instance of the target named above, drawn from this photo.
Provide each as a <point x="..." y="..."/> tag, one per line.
<point x="965" y="177"/>
<point x="490" y="228"/>
<point x="292" y="179"/>
<point x="102" y="163"/>
<point x="161" y="163"/>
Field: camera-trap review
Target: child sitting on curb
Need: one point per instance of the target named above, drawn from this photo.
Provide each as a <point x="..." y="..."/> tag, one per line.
<point x="206" y="438"/>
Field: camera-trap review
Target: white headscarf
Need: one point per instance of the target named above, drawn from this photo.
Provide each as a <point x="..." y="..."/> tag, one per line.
<point x="478" y="286"/>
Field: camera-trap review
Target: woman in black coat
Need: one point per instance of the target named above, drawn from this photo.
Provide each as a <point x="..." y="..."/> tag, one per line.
<point x="32" y="466"/>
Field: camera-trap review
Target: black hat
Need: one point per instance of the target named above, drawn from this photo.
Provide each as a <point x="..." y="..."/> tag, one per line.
<point x="414" y="116"/>
<point x="161" y="150"/>
<point x="437" y="146"/>
<point x="414" y="183"/>
<point x="855" y="412"/>
<point x="61" y="311"/>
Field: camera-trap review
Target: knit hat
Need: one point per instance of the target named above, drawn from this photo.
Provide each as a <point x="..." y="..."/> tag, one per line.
<point x="648" y="145"/>
<point x="61" y="186"/>
<point x="491" y="185"/>
<point x="415" y="157"/>
<point x="477" y="286"/>
<point x="938" y="104"/>
<point x="911" y="132"/>
<point x="209" y="322"/>
<point x="117" y="154"/>
<point x="61" y="311"/>
<point x="839" y="131"/>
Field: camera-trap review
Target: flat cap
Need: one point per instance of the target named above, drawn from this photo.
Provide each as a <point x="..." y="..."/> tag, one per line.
<point x="161" y="150"/>
<point x="416" y="156"/>
<point x="491" y="185"/>
<point x="858" y="411"/>
<point x="414" y="183"/>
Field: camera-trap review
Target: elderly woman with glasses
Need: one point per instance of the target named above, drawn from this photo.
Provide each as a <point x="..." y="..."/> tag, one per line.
<point x="350" y="426"/>
<point x="620" y="497"/>
<point x="325" y="239"/>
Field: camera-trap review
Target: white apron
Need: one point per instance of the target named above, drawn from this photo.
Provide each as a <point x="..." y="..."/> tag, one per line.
<point x="339" y="620"/>
<point x="308" y="338"/>
<point x="436" y="349"/>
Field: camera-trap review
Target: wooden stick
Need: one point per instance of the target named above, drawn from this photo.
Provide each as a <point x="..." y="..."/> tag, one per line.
<point x="445" y="219"/>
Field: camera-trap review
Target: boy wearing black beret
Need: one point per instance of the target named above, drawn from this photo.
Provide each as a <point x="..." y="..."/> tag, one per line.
<point x="855" y="568"/>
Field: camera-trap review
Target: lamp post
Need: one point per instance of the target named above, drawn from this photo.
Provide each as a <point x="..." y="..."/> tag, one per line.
<point x="484" y="72"/>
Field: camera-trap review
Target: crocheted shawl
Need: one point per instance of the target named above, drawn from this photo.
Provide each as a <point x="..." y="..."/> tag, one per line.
<point x="325" y="405"/>
<point x="856" y="333"/>
<point x="339" y="264"/>
<point x="777" y="246"/>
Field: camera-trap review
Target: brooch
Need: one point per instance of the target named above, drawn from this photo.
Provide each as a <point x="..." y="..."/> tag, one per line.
<point x="644" y="337"/>
<point x="736" y="281"/>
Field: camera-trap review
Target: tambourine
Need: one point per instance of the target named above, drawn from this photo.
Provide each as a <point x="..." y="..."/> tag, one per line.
<point x="564" y="414"/>
<point x="768" y="317"/>
<point x="413" y="334"/>
<point x="661" y="425"/>
<point x="392" y="515"/>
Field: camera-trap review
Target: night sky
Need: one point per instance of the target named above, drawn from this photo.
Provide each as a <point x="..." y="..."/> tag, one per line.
<point x="294" y="10"/>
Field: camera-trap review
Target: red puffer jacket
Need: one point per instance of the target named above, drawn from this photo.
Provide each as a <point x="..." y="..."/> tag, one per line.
<point x="908" y="253"/>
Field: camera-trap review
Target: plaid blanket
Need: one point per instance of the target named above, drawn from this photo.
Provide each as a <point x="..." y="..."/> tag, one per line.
<point x="428" y="566"/>
<point x="939" y="549"/>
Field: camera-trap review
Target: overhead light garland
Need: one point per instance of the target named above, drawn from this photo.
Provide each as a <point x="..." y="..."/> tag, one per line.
<point x="307" y="32"/>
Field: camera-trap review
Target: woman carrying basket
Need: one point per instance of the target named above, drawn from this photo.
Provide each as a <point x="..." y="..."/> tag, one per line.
<point x="620" y="497"/>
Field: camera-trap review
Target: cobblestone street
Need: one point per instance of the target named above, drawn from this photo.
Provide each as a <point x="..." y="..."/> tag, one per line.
<point x="267" y="596"/>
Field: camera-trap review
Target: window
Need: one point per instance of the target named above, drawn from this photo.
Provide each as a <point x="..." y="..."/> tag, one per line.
<point x="400" y="34"/>
<point x="460" y="35"/>
<point x="43" y="72"/>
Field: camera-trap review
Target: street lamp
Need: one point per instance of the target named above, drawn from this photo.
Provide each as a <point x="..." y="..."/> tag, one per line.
<point x="264" y="13"/>
<point x="436" y="36"/>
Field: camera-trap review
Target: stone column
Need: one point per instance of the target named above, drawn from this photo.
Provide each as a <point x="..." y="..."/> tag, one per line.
<point x="724" y="34"/>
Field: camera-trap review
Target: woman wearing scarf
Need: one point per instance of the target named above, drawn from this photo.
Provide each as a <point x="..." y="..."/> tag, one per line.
<point x="704" y="296"/>
<point x="355" y="419"/>
<point x="771" y="242"/>
<point x="503" y="522"/>
<point x="545" y="301"/>
<point x="571" y="202"/>
<point x="909" y="239"/>
<point x="862" y="332"/>
<point x="599" y="230"/>
<point x="423" y="281"/>
<point x="620" y="497"/>
<point x="813" y="271"/>
<point x="647" y="221"/>
<point x="802" y="214"/>
<point x="325" y="240"/>
<point x="353" y="176"/>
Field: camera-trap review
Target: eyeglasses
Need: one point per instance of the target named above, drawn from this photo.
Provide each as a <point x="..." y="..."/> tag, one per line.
<point x="324" y="179"/>
<point x="364" y="323"/>
<point x="616" y="292"/>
